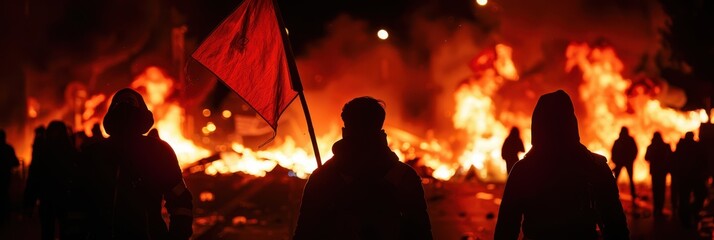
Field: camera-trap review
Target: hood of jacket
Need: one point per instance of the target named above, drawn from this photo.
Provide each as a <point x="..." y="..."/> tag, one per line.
<point x="128" y="114"/>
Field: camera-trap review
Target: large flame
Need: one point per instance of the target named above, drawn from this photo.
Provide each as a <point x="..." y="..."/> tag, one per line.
<point x="608" y="107"/>
<point x="476" y="113"/>
<point x="609" y="101"/>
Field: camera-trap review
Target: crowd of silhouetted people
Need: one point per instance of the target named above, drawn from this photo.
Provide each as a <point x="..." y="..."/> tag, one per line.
<point x="689" y="166"/>
<point x="115" y="188"/>
<point x="92" y="187"/>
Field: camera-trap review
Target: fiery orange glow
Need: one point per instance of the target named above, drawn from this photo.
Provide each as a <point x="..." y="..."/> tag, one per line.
<point x="33" y="107"/>
<point x="608" y="108"/>
<point x="481" y="126"/>
<point x="476" y="114"/>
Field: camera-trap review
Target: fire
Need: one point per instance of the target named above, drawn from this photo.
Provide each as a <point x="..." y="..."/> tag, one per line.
<point x="476" y="113"/>
<point x="169" y="116"/>
<point x="608" y="99"/>
<point x="603" y="94"/>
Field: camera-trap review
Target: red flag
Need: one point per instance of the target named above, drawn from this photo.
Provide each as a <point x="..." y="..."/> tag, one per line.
<point x="247" y="52"/>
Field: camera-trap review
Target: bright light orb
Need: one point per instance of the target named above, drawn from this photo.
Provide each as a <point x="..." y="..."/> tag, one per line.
<point x="227" y="114"/>
<point x="482" y="2"/>
<point x="382" y="34"/>
<point x="211" y="127"/>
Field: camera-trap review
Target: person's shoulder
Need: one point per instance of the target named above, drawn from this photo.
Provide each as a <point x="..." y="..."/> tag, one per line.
<point x="401" y="173"/>
<point x="328" y="168"/>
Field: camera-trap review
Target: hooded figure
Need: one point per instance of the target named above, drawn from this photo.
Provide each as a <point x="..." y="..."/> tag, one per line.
<point x="131" y="174"/>
<point x="560" y="190"/>
<point x="658" y="154"/>
<point x="689" y="177"/>
<point x="624" y="152"/>
<point x="364" y="191"/>
<point x="511" y="147"/>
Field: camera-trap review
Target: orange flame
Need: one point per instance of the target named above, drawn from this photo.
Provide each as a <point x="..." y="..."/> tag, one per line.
<point x="476" y="114"/>
<point x="608" y="108"/>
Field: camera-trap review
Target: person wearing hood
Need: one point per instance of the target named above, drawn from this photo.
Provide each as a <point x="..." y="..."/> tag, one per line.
<point x="364" y="191"/>
<point x="131" y="174"/>
<point x="624" y="152"/>
<point x="511" y="147"/>
<point x="690" y="178"/>
<point x="658" y="155"/>
<point x="560" y="189"/>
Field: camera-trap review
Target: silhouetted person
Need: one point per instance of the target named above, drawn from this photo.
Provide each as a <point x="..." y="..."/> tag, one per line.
<point x="130" y="174"/>
<point x="560" y="190"/>
<point x="690" y="167"/>
<point x="364" y="191"/>
<point x="658" y="154"/>
<point x="32" y="186"/>
<point x="511" y="147"/>
<point x="50" y="178"/>
<point x="8" y="161"/>
<point x="624" y="152"/>
<point x="95" y="138"/>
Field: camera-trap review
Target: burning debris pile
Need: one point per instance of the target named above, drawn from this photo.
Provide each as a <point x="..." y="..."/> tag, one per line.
<point x="478" y="123"/>
<point x="450" y="125"/>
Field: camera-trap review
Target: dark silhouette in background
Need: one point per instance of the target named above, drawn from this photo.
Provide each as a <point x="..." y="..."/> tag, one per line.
<point x="624" y="152"/>
<point x="8" y="161"/>
<point x="560" y="190"/>
<point x="511" y="147"/>
<point x="96" y="136"/>
<point x="690" y="172"/>
<point x="50" y="178"/>
<point x="658" y="155"/>
<point x="364" y="191"/>
<point x="129" y="175"/>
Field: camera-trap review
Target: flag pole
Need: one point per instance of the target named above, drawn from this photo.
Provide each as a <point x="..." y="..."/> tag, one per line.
<point x="296" y="82"/>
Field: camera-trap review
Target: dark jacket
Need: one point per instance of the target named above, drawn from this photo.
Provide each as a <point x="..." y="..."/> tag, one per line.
<point x="658" y="155"/>
<point x="128" y="176"/>
<point x="363" y="192"/>
<point x="560" y="190"/>
<point x="624" y="150"/>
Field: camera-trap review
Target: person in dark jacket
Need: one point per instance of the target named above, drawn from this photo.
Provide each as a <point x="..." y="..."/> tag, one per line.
<point x="560" y="190"/>
<point x="50" y="178"/>
<point x="690" y="175"/>
<point x="658" y="154"/>
<point x="364" y="191"/>
<point x="131" y="174"/>
<point x="8" y="161"/>
<point x="511" y="147"/>
<point x="624" y="152"/>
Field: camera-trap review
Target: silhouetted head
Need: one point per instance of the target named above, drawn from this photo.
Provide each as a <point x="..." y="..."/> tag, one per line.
<point x="57" y="132"/>
<point x="128" y="114"/>
<point x="96" y="130"/>
<point x="657" y="138"/>
<point x="689" y="136"/>
<point x="3" y="137"/>
<point x="554" y="122"/>
<point x="624" y="132"/>
<point x="515" y="132"/>
<point x="363" y="115"/>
